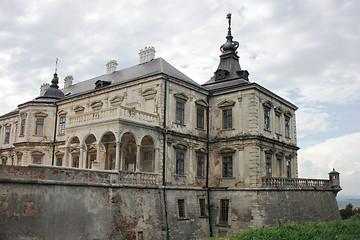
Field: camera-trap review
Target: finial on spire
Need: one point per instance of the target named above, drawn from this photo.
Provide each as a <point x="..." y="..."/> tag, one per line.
<point x="230" y="45"/>
<point x="56" y="65"/>
<point x="228" y="16"/>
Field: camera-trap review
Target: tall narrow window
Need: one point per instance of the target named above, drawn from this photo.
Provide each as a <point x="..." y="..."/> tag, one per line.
<point x="202" y="207"/>
<point x="227" y="118"/>
<point x="59" y="161"/>
<point x="200" y="118"/>
<point x="62" y="125"/>
<point x="227" y="166"/>
<point x="287" y="127"/>
<point x="268" y="157"/>
<point x="22" y="127"/>
<point x="181" y="208"/>
<point x="75" y="161"/>
<point x="7" y="135"/>
<point x="200" y="166"/>
<point x="224" y="211"/>
<point x="267" y="118"/>
<point x="180" y="163"/>
<point x="288" y="167"/>
<point x="179" y="112"/>
<point x="39" y="128"/>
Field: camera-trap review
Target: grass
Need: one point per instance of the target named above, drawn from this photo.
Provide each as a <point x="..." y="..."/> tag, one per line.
<point x="340" y="230"/>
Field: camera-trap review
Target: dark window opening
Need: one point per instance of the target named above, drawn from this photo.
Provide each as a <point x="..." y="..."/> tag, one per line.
<point x="202" y="207"/>
<point x="181" y="208"/>
<point x="224" y="211"/>
<point x="22" y="127"/>
<point x="200" y="166"/>
<point x="180" y="112"/>
<point x="288" y="167"/>
<point x="39" y="128"/>
<point x="227" y="166"/>
<point x="287" y="127"/>
<point x="59" y="161"/>
<point x="227" y="118"/>
<point x="7" y="135"/>
<point x="37" y="160"/>
<point x="62" y="125"/>
<point x="75" y="162"/>
<point x="267" y="119"/>
<point x="200" y="118"/>
<point x="180" y="163"/>
<point x="268" y="165"/>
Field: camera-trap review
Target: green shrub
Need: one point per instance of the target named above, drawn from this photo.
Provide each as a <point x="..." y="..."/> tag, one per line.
<point x="339" y="230"/>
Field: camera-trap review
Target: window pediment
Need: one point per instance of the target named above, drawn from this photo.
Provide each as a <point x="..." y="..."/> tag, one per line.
<point x="37" y="153"/>
<point x="278" y="111"/>
<point x="201" y="102"/>
<point x="149" y="93"/>
<point x="180" y="146"/>
<point x="117" y="100"/>
<point x="288" y="114"/>
<point x="62" y="113"/>
<point x="96" y="105"/>
<point x="227" y="151"/>
<point x="79" y="109"/>
<point x="181" y="96"/>
<point x="268" y="104"/>
<point x="201" y="150"/>
<point x="226" y="103"/>
<point x="40" y="114"/>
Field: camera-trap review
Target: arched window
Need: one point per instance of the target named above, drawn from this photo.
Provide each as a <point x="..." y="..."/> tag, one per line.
<point x="128" y="151"/>
<point x="147" y="154"/>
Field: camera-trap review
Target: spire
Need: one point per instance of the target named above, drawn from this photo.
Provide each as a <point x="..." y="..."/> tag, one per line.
<point x="229" y="69"/>
<point x="53" y="91"/>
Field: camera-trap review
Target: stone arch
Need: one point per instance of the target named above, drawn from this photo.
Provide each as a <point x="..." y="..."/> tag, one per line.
<point x="91" y="160"/>
<point x="108" y="150"/>
<point x="147" y="154"/>
<point x="74" y="148"/>
<point x="128" y="151"/>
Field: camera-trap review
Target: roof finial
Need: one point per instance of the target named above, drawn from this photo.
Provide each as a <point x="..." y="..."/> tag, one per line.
<point x="56" y="65"/>
<point x="228" y="16"/>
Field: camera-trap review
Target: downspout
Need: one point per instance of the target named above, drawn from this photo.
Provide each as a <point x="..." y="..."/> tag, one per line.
<point x="207" y="163"/>
<point x="164" y="162"/>
<point x="54" y="140"/>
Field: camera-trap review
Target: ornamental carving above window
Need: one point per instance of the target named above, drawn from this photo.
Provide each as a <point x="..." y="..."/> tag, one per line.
<point x="96" y="105"/>
<point x="181" y="96"/>
<point x="201" y="102"/>
<point x="117" y="100"/>
<point x="226" y="103"/>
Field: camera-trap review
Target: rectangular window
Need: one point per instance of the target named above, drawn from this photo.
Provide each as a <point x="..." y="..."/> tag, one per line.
<point x="227" y="118"/>
<point x="200" y="118"/>
<point x="62" y="125"/>
<point x="202" y="207"/>
<point x="22" y="127"/>
<point x="140" y="235"/>
<point x="37" y="160"/>
<point x="7" y="135"/>
<point x="180" y="163"/>
<point x="181" y="208"/>
<point x="224" y="211"/>
<point x="268" y="164"/>
<point x="179" y="112"/>
<point x="39" y="128"/>
<point x="267" y="119"/>
<point x="288" y="167"/>
<point x="287" y="127"/>
<point x="75" y="162"/>
<point x="200" y="166"/>
<point x="59" y="161"/>
<point x="227" y="166"/>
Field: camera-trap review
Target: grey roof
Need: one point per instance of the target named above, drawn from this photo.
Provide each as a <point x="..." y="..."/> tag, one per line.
<point x="154" y="67"/>
<point x="13" y="112"/>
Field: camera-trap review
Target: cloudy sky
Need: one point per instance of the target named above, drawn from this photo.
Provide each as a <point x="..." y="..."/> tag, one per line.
<point x="305" y="51"/>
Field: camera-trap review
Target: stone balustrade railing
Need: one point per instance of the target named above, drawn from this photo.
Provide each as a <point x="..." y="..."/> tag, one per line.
<point x="295" y="182"/>
<point x="120" y="112"/>
<point x="138" y="177"/>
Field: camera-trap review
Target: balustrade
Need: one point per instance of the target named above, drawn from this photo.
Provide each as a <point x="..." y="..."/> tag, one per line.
<point x="295" y="182"/>
<point x="138" y="177"/>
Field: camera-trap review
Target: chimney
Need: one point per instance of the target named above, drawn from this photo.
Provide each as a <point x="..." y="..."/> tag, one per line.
<point x="68" y="81"/>
<point x="111" y="66"/>
<point x="43" y="88"/>
<point x="147" y="54"/>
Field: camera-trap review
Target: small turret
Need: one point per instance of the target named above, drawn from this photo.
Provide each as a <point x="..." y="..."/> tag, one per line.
<point x="334" y="179"/>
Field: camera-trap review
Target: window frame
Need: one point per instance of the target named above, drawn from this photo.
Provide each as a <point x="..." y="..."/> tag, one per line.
<point x="38" y="159"/>
<point x="202" y="207"/>
<point x="268" y="164"/>
<point x="200" y="165"/>
<point x="180" y="112"/>
<point x="287" y="127"/>
<point x="39" y="127"/>
<point x="180" y="162"/>
<point x="267" y="121"/>
<point x="200" y="117"/>
<point x="57" y="161"/>
<point x="62" y="122"/>
<point x="288" y="167"/>
<point x="75" y="164"/>
<point x="22" y="127"/>
<point x="227" y="166"/>
<point x="7" y="135"/>
<point x="181" y="210"/>
<point x="227" y="119"/>
<point x="224" y="211"/>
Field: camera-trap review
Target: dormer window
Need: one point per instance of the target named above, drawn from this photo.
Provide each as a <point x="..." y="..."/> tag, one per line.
<point x="101" y="84"/>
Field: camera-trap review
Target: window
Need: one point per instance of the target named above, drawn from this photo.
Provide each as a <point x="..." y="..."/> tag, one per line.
<point x="227" y="166"/>
<point x="267" y="118"/>
<point x="181" y="208"/>
<point x="288" y="167"/>
<point x="268" y="157"/>
<point x="75" y="161"/>
<point x="202" y="207"/>
<point x="200" y="166"/>
<point x="179" y="112"/>
<point x="227" y="118"/>
<point x="22" y="127"/>
<point x="59" y="161"/>
<point x="180" y="163"/>
<point x="140" y="235"/>
<point x="62" y="125"/>
<point x="200" y="118"/>
<point x="7" y="135"/>
<point x="37" y="160"/>
<point x="224" y="211"/>
<point x="39" y="127"/>
<point x="287" y="127"/>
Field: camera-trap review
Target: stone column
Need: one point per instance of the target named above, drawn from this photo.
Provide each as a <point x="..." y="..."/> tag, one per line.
<point x="81" y="157"/>
<point x="137" y="167"/>
<point x="117" y="157"/>
<point x="66" y="157"/>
